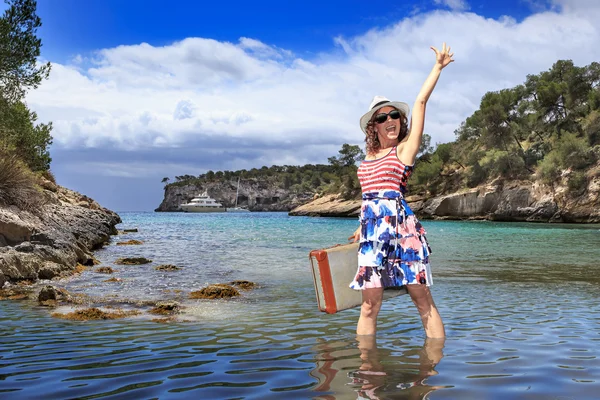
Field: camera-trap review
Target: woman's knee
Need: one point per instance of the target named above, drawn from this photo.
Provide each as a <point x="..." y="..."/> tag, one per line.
<point x="421" y="297"/>
<point x="370" y="308"/>
<point x="371" y="304"/>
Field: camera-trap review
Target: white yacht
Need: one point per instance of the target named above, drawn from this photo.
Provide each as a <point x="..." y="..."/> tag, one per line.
<point x="202" y="203"/>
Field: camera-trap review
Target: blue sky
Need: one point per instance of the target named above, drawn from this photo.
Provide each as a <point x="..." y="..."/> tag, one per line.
<point x="141" y="90"/>
<point x="73" y="26"/>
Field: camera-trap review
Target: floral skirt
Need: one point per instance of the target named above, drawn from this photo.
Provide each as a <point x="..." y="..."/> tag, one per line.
<point x="393" y="249"/>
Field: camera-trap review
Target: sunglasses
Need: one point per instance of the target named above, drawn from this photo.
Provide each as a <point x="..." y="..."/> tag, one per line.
<point x="382" y="117"/>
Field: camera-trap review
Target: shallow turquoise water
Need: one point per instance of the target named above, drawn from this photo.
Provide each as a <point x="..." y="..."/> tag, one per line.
<point x="519" y="302"/>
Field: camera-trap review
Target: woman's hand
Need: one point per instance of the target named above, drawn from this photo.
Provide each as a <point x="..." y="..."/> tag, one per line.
<point x="355" y="237"/>
<point x="443" y="57"/>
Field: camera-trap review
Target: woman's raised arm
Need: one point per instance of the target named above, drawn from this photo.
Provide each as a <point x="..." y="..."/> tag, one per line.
<point x="407" y="152"/>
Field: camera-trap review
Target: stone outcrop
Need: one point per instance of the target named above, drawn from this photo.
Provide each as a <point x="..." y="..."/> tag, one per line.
<point x="518" y="202"/>
<point x="254" y="195"/>
<point x="513" y="201"/>
<point x="51" y="240"/>
<point x="328" y="206"/>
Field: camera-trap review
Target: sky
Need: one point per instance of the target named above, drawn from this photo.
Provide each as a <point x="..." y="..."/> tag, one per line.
<point x="142" y="90"/>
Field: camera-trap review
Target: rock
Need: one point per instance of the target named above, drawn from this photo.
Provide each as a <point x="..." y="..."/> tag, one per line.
<point x="130" y="242"/>
<point x="329" y="206"/>
<point x="508" y="201"/>
<point x="104" y="270"/>
<point x="14" y="229"/>
<point x="130" y="230"/>
<point x="52" y="295"/>
<point x="95" y="314"/>
<point x="218" y="291"/>
<point x="90" y="261"/>
<point x="17" y="266"/>
<point x="15" y="293"/>
<point x="167" y="267"/>
<point x="166" y="308"/>
<point x="24" y="247"/>
<point x="48" y="292"/>
<point x="245" y="285"/>
<point x="132" y="261"/>
<point x="54" y="239"/>
<point x="164" y="320"/>
<point x="50" y="270"/>
<point x="114" y="279"/>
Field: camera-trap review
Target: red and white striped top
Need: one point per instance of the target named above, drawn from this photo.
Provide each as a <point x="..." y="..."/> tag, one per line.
<point x="385" y="173"/>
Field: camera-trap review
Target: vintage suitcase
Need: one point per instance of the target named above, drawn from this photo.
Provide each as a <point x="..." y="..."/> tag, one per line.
<point x="333" y="269"/>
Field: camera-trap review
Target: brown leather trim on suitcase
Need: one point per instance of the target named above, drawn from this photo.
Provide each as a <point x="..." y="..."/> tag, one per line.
<point x="325" y="272"/>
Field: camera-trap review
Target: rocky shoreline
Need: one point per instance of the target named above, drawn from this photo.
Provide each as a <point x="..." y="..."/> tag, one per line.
<point x="42" y="247"/>
<point x="514" y="201"/>
<point x="54" y="239"/>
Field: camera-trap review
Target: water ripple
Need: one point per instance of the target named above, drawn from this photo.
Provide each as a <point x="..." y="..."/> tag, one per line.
<point x="519" y="325"/>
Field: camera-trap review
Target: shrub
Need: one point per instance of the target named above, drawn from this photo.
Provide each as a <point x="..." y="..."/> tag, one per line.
<point x="49" y="175"/>
<point x="577" y="181"/>
<point x="503" y="163"/>
<point x="535" y="153"/>
<point x="476" y="175"/>
<point x="591" y="128"/>
<point x="351" y="187"/>
<point x="444" y="152"/>
<point x="549" y="168"/>
<point x="573" y="152"/>
<point x="427" y="174"/>
<point x="17" y="184"/>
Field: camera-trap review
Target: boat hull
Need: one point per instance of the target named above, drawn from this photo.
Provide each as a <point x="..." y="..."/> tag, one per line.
<point x="196" y="209"/>
<point x="237" y="210"/>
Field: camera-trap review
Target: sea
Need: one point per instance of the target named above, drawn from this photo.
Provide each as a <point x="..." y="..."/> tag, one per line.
<point x="520" y="303"/>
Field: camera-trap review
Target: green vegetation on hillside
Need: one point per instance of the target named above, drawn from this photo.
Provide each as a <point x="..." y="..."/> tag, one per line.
<point x="23" y="142"/>
<point x="339" y="176"/>
<point x="534" y="131"/>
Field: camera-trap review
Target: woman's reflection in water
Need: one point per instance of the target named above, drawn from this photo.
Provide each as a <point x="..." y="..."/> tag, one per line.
<point x="383" y="375"/>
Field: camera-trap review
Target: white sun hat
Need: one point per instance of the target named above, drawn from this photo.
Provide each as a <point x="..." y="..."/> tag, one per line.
<point x="380" y="102"/>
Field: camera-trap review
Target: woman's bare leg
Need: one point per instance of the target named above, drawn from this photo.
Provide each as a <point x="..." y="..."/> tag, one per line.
<point x="432" y="322"/>
<point x="371" y="304"/>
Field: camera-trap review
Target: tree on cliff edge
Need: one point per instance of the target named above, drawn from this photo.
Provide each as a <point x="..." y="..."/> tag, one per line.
<point x="19" y="50"/>
<point x="19" y="72"/>
<point x="349" y="155"/>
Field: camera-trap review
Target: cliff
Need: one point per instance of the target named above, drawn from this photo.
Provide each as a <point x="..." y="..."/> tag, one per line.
<point x="51" y="240"/>
<point x="500" y="201"/>
<point x="254" y="194"/>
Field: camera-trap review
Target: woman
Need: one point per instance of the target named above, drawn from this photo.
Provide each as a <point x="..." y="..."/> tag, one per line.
<point x="393" y="250"/>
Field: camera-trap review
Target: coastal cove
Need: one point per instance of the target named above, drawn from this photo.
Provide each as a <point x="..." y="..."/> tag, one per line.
<point x="288" y="128"/>
<point x="536" y="337"/>
<point x="497" y="201"/>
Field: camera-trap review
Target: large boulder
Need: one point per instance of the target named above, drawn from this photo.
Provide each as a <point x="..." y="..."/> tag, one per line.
<point x="13" y="229"/>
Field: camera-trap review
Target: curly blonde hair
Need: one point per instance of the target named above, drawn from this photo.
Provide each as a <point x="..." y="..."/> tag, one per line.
<point x="371" y="138"/>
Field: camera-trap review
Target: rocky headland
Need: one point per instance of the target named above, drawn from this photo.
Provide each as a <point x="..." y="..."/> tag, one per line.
<point x="53" y="239"/>
<point x="497" y="201"/>
<point x="255" y="195"/>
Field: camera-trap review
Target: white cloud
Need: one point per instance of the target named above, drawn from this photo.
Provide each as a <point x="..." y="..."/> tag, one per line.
<point x="456" y="5"/>
<point x="204" y="94"/>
